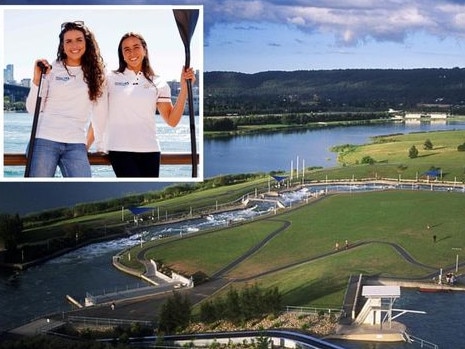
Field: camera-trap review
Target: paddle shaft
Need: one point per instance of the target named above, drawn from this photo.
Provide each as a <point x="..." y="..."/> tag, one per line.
<point x="190" y="102"/>
<point x="186" y="21"/>
<point x="32" y="139"/>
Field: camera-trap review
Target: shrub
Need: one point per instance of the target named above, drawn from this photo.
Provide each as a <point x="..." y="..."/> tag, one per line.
<point x="413" y="152"/>
<point x="368" y="160"/>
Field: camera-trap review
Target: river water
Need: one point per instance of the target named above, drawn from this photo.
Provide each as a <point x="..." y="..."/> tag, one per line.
<point x="276" y="151"/>
<point x="257" y="153"/>
<point x="42" y="289"/>
<point x="17" y="128"/>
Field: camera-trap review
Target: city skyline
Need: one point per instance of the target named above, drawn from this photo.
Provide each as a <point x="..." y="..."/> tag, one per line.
<point x="9" y="77"/>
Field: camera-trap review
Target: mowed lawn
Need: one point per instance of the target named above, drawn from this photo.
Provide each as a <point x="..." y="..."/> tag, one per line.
<point x="391" y="156"/>
<point x="292" y="259"/>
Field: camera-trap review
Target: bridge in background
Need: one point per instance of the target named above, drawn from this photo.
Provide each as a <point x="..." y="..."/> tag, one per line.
<point x="15" y="93"/>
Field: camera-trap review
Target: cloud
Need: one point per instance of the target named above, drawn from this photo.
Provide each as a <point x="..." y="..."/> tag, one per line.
<point x="350" y="22"/>
<point x="247" y="28"/>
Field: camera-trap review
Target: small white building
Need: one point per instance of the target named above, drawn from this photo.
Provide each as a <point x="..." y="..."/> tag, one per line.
<point x="379" y="305"/>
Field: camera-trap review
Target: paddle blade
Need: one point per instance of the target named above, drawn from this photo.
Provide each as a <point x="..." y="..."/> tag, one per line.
<point x="186" y="20"/>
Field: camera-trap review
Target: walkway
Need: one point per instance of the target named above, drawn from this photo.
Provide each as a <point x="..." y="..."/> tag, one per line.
<point x="37" y="326"/>
<point x="146" y="306"/>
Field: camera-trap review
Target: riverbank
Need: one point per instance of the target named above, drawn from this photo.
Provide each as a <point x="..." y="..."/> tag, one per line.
<point x="318" y="270"/>
<point x="243" y="130"/>
<point x="26" y="265"/>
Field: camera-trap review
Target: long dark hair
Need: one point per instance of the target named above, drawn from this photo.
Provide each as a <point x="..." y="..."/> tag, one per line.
<point x="91" y="62"/>
<point x="146" y="68"/>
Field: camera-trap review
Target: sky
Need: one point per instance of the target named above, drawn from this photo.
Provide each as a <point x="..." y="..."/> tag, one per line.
<point x="252" y="36"/>
<point x="259" y="35"/>
<point x="248" y="36"/>
<point x="31" y="32"/>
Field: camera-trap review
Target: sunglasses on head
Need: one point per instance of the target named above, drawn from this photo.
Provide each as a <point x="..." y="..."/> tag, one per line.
<point x="74" y="24"/>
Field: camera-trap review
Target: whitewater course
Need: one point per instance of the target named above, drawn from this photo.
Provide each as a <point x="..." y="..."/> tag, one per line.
<point x="366" y="315"/>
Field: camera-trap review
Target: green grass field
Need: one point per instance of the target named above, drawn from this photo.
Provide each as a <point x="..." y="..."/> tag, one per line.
<point x="399" y="217"/>
<point x="391" y="154"/>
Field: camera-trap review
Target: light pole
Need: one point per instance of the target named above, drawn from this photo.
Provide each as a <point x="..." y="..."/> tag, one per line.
<point x="457" y="258"/>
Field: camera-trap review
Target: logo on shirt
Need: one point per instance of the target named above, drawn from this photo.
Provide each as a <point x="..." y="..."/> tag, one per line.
<point x="117" y="83"/>
<point x="62" y="78"/>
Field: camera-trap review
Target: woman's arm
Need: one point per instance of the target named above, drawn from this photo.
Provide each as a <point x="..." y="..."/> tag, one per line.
<point x="90" y="137"/>
<point x="32" y="96"/>
<point x="99" y="118"/>
<point x="172" y="114"/>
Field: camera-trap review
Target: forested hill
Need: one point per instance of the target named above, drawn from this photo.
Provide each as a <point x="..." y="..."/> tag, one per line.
<point x="323" y="90"/>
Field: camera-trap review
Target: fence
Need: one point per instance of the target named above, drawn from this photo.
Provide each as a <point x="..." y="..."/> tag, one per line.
<point x="313" y="310"/>
<point x="105" y="321"/>
<point x="420" y="342"/>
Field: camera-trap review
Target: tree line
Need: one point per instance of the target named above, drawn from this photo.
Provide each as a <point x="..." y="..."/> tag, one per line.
<point x="232" y="122"/>
<point x="237" y="307"/>
<point x="319" y="91"/>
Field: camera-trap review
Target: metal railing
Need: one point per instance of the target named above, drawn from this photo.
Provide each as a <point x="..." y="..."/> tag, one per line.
<point x="105" y="321"/>
<point x="420" y="342"/>
<point x="19" y="159"/>
<point x="312" y="310"/>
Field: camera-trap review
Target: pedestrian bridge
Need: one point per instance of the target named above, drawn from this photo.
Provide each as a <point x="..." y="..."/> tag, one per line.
<point x="277" y="202"/>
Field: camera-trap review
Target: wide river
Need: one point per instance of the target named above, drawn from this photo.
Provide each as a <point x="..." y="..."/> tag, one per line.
<point x="275" y="151"/>
<point x="43" y="288"/>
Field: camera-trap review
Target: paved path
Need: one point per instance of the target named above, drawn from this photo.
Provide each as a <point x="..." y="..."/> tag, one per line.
<point x="146" y="307"/>
<point x="37" y="326"/>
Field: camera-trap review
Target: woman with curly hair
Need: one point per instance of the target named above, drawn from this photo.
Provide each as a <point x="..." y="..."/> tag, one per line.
<point x="71" y="88"/>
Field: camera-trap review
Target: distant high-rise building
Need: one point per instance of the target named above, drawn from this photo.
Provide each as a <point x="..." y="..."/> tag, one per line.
<point x="26" y="82"/>
<point x="8" y="74"/>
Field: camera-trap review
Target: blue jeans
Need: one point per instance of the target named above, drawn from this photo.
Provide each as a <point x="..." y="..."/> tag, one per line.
<point x="71" y="158"/>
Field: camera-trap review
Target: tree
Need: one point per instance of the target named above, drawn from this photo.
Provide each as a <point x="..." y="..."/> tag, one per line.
<point x="428" y="145"/>
<point x="232" y="305"/>
<point x="175" y="313"/>
<point x="250" y="302"/>
<point x="208" y="312"/>
<point x="10" y="231"/>
<point x="413" y="152"/>
<point x="368" y="160"/>
<point x="263" y="342"/>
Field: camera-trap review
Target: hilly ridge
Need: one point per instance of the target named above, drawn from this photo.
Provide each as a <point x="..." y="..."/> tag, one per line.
<point x="323" y="90"/>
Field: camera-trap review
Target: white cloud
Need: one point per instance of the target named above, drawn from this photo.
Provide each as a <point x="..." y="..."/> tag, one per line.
<point x="350" y="22"/>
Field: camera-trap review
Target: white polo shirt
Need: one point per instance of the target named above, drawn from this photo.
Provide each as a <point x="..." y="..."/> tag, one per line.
<point x="132" y="103"/>
<point x="66" y="108"/>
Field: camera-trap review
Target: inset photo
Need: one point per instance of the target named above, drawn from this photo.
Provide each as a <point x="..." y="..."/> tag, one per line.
<point x="103" y="93"/>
